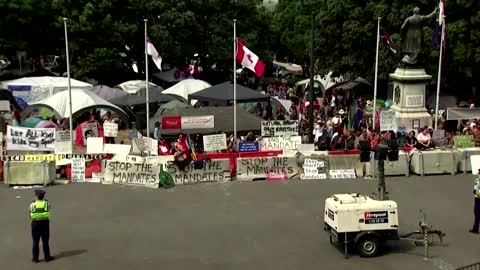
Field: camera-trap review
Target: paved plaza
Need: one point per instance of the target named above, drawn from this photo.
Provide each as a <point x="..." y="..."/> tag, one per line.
<point x="258" y="225"/>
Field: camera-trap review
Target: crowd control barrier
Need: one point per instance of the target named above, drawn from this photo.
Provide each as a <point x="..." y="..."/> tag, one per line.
<point x="29" y="172"/>
<point x="433" y="162"/>
<point x="463" y="159"/>
<point x="392" y="168"/>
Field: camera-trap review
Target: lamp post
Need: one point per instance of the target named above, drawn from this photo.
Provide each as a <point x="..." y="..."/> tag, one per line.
<point x="309" y="6"/>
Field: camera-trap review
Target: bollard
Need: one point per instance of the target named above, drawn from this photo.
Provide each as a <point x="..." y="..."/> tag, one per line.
<point x="425" y="243"/>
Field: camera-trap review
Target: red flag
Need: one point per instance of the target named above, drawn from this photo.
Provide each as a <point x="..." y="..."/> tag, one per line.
<point x="248" y="59"/>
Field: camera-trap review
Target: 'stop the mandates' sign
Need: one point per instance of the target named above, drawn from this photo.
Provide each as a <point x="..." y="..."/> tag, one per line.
<point x="30" y="139"/>
<point x="131" y="173"/>
<point x="279" y="128"/>
<point x="280" y="143"/>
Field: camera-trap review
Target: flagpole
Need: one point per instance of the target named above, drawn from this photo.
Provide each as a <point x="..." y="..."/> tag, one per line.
<point x="439" y="79"/>
<point x="147" y="100"/>
<point x="234" y="80"/>
<point x="67" y="56"/>
<point x="375" y="83"/>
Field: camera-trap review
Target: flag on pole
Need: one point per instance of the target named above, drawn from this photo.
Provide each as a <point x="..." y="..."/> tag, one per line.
<point x="157" y="59"/>
<point x="440" y="27"/>
<point x="248" y="59"/>
<point x="387" y="39"/>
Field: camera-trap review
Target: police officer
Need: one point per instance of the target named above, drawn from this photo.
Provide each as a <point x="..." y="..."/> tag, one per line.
<point x="40" y="214"/>
<point x="476" y="192"/>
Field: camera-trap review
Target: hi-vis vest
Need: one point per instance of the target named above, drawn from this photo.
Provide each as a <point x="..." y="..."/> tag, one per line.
<point x="40" y="210"/>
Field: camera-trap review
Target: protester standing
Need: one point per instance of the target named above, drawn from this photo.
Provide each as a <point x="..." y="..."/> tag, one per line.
<point x="40" y="216"/>
<point x="476" y="209"/>
<point x="108" y="119"/>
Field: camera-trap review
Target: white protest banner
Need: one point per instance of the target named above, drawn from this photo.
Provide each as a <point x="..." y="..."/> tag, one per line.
<point x="343" y="174"/>
<point x="188" y="122"/>
<point x="279" y="128"/>
<point x="78" y="170"/>
<point x="313" y="169"/>
<point x="388" y="121"/>
<point x="117" y="149"/>
<point x="110" y="129"/>
<point x="215" y="170"/>
<point x="144" y="144"/>
<point x="271" y="168"/>
<point x="131" y="173"/>
<point x="89" y="130"/>
<point x="280" y="143"/>
<point x="214" y="142"/>
<point x="30" y="139"/>
<point x="94" y="145"/>
<point x="62" y="143"/>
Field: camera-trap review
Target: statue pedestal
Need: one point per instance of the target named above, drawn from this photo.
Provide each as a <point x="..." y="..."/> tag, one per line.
<point x="409" y="98"/>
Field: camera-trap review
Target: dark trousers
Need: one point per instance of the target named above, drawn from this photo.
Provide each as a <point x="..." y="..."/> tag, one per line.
<point x="476" y="210"/>
<point x="40" y="229"/>
<point x="110" y="140"/>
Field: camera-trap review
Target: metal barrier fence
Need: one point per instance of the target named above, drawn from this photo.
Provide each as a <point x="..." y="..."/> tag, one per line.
<point x="475" y="266"/>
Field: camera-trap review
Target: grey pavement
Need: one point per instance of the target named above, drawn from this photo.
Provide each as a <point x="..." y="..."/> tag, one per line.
<point x="258" y="225"/>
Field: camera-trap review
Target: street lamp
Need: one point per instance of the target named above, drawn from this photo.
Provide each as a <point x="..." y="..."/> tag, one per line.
<point x="310" y="6"/>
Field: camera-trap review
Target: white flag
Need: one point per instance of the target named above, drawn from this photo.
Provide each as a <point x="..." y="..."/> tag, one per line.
<point x="157" y="59"/>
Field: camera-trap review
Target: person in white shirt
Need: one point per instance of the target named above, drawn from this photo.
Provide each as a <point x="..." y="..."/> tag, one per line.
<point x="424" y="140"/>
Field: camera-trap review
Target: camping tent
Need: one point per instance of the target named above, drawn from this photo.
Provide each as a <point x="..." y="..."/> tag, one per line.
<point x="223" y="94"/>
<point x="82" y="100"/>
<point x="155" y="96"/>
<point x="34" y="89"/>
<point x="108" y="93"/>
<point x="134" y="86"/>
<point x="223" y="120"/>
<point x="187" y="87"/>
<point x="171" y="76"/>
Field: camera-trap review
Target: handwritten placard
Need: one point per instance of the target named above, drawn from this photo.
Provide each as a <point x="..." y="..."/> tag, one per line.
<point x="30" y="139"/>
<point x="110" y="129"/>
<point x="215" y="142"/>
<point x="388" y="121"/>
<point x="279" y="128"/>
<point x="313" y="169"/>
<point x="280" y="143"/>
<point x="62" y="143"/>
<point x="343" y="174"/>
<point x="131" y="173"/>
<point x="78" y="170"/>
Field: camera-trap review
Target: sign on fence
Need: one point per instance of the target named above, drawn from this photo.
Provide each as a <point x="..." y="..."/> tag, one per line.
<point x="279" y="128"/>
<point x="280" y="143"/>
<point x="62" y="142"/>
<point x="131" y="173"/>
<point x="388" y="121"/>
<point x="188" y="122"/>
<point x="30" y="139"/>
<point x="244" y="147"/>
<point x="95" y="145"/>
<point x="313" y="169"/>
<point x="78" y="170"/>
<point x="464" y="141"/>
<point x="212" y="171"/>
<point x="343" y="174"/>
<point x="89" y="130"/>
<point x="249" y="169"/>
<point x="144" y="144"/>
<point x="214" y="142"/>
<point x="110" y="129"/>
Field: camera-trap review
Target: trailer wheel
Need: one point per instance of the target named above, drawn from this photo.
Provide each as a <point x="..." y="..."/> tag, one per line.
<point x="368" y="246"/>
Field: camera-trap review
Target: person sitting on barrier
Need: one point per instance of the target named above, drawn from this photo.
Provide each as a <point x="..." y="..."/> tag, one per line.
<point x="411" y="141"/>
<point x="424" y="140"/>
<point x="181" y="152"/>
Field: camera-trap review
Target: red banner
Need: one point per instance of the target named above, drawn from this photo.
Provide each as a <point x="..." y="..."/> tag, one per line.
<point x="172" y="122"/>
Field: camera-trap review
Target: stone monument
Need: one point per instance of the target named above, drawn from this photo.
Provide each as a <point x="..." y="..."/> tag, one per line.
<point x="410" y="78"/>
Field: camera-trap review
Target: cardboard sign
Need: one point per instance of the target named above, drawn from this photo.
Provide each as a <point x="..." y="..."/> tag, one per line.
<point x="130" y="173"/>
<point x="78" y="170"/>
<point x="388" y="121"/>
<point x="30" y="139"/>
<point x="313" y="169"/>
<point x="95" y="145"/>
<point x="188" y="122"/>
<point x="97" y="177"/>
<point x="62" y="142"/>
<point x="144" y="144"/>
<point x="280" y="143"/>
<point x="245" y="147"/>
<point x="279" y="128"/>
<point x="89" y="130"/>
<point x="464" y="141"/>
<point x="343" y="174"/>
<point x="215" y="142"/>
<point x="110" y="129"/>
<point x="249" y="169"/>
<point x="212" y="171"/>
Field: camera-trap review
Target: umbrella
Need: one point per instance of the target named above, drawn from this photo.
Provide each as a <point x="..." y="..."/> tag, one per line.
<point x="46" y="124"/>
<point x="174" y="105"/>
<point x="31" y="122"/>
<point x="45" y="113"/>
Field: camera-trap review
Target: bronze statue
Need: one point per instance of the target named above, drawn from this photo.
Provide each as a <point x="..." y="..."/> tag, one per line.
<point x="412" y="36"/>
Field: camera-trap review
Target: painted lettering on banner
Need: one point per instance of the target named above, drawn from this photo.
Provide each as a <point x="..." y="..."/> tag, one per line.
<point x="110" y="129"/>
<point x="78" y="170"/>
<point x="280" y="143"/>
<point x="314" y="169"/>
<point x="388" y="121"/>
<point x="214" y="142"/>
<point x="212" y="171"/>
<point x="249" y="169"/>
<point x="30" y="139"/>
<point x="279" y="128"/>
<point x="130" y="173"/>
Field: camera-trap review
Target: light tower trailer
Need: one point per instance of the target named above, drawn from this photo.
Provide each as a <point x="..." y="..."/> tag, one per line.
<point x="361" y="220"/>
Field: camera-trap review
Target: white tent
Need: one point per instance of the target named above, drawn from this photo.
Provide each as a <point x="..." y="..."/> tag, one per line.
<point x="33" y="89"/>
<point x="132" y="87"/>
<point x="187" y="87"/>
<point x="82" y="100"/>
<point x="326" y="82"/>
